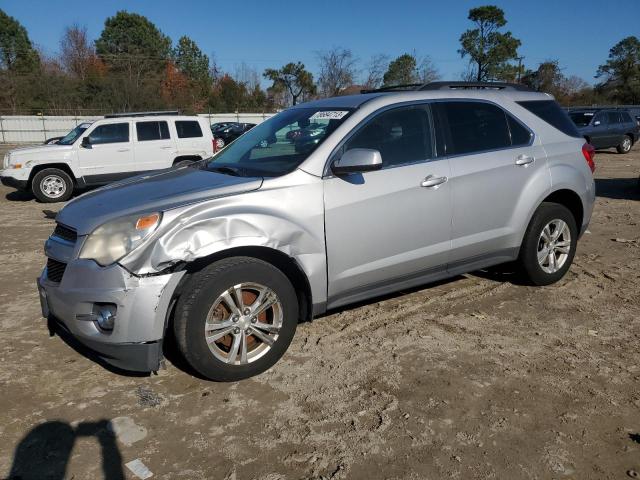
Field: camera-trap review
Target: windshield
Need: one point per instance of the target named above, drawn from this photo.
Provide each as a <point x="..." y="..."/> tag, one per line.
<point x="581" y="119"/>
<point x="278" y="145"/>
<point x="74" y="134"/>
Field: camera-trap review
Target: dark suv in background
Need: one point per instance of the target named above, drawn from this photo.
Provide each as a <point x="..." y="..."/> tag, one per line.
<point x="607" y="127"/>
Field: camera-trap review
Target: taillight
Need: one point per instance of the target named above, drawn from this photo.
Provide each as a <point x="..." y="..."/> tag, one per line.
<point x="589" y="152"/>
<point x="214" y="144"/>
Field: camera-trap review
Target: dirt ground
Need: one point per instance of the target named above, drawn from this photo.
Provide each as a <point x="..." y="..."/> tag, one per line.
<point x="477" y="377"/>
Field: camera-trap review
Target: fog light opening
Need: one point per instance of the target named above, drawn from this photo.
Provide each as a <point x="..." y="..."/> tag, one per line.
<point x="106" y="316"/>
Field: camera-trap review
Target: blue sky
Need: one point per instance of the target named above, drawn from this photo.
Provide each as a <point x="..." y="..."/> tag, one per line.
<point x="579" y="33"/>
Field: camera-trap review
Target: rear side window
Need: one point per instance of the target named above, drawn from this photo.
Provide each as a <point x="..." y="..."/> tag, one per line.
<point x="614" y="118"/>
<point x="550" y="112"/>
<point x="110" y="133"/>
<point x="473" y="127"/>
<point x="188" y="129"/>
<point x="626" y="118"/>
<point x="519" y="135"/>
<point x="401" y="135"/>
<point x="152" y="131"/>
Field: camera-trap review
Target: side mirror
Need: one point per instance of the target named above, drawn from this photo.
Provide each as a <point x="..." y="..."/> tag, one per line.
<point x="86" y="142"/>
<point x="596" y="123"/>
<point x="357" y="160"/>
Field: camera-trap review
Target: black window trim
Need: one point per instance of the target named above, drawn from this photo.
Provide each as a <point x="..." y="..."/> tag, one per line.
<point x="445" y="132"/>
<point x="196" y="121"/>
<point x="155" y="139"/>
<point x="88" y="133"/>
<point x="425" y="104"/>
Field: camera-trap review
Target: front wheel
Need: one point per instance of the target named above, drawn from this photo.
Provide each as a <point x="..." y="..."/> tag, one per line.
<point x="549" y="244"/>
<point x="236" y="318"/>
<point x="625" y="145"/>
<point x="52" y="185"/>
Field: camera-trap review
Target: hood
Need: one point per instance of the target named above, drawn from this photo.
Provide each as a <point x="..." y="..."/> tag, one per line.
<point x="151" y="192"/>
<point x="37" y="149"/>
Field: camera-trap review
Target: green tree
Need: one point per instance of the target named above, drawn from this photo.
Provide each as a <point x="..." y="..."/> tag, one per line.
<point x="406" y="70"/>
<point x="401" y="71"/>
<point x="621" y="72"/>
<point x="16" y="51"/>
<point x="547" y="78"/>
<point x="136" y="53"/>
<point x="489" y="49"/>
<point x="292" y="78"/>
<point x="191" y="61"/>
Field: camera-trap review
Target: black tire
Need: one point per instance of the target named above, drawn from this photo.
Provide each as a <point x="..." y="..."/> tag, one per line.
<point x="625" y="144"/>
<point x="45" y="195"/>
<point x="200" y="294"/>
<point x="528" y="258"/>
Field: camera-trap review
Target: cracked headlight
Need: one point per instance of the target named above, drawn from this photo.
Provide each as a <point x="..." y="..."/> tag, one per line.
<point x="110" y="242"/>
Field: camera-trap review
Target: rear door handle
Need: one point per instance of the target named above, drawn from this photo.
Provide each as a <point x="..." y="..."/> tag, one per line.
<point x="430" y="181"/>
<point x="524" y="160"/>
<point x="166" y="148"/>
<point x="123" y="150"/>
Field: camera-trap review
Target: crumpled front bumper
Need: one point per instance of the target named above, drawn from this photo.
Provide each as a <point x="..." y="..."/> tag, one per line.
<point x="135" y="343"/>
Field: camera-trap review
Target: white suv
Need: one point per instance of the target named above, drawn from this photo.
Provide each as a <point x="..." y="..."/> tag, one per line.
<point x="114" y="148"/>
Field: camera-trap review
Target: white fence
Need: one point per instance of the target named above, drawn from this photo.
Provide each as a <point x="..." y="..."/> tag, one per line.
<point x="37" y="128"/>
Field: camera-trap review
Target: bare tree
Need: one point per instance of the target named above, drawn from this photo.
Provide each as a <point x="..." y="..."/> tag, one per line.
<point x="337" y="71"/>
<point x="247" y="75"/>
<point x="374" y="72"/>
<point x="76" y="52"/>
<point x="427" y="71"/>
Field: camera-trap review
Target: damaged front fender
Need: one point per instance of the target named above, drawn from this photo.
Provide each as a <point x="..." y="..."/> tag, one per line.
<point x="286" y="215"/>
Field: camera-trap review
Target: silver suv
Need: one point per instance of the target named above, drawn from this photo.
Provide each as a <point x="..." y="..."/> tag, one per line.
<point x="376" y="192"/>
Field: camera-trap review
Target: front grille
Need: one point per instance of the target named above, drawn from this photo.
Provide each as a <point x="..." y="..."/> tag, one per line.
<point x="65" y="233"/>
<point x="55" y="270"/>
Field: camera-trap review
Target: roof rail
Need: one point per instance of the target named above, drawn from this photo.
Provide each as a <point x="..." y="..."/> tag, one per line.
<point x="395" y="88"/>
<point x="450" y="85"/>
<point x="479" y="85"/>
<point x="142" y="114"/>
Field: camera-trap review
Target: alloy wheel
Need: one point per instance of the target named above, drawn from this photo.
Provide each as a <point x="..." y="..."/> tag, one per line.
<point x="53" y="186"/>
<point x="243" y="323"/>
<point x="554" y="245"/>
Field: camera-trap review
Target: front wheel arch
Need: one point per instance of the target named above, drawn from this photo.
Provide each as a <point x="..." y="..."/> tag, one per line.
<point x="60" y="166"/>
<point x="288" y="265"/>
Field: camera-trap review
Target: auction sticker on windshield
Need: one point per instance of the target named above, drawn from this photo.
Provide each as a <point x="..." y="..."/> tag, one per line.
<point x="329" y="115"/>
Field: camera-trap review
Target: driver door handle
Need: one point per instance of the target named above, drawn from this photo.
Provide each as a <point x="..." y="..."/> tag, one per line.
<point x="123" y="150"/>
<point x="431" y="181"/>
<point x="524" y="160"/>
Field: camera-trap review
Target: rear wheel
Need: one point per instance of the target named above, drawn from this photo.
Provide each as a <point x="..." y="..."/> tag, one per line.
<point x="625" y="145"/>
<point x="52" y="185"/>
<point x="549" y="244"/>
<point x="236" y="318"/>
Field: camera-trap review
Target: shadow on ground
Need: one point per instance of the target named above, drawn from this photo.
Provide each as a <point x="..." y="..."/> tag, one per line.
<point x="45" y="451"/>
<point x="19" y="196"/>
<point x="618" y="188"/>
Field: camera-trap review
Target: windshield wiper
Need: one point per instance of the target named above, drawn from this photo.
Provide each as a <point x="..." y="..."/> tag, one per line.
<point x="226" y="170"/>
